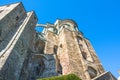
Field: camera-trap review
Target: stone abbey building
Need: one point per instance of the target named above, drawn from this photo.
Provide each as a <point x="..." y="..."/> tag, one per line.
<point x="59" y="49"/>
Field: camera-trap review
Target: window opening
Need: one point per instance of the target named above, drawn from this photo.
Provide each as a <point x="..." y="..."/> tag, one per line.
<point x="17" y="18"/>
<point x="55" y="49"/>
<point x="61" y="46"/>
<point x="92" y="72"/>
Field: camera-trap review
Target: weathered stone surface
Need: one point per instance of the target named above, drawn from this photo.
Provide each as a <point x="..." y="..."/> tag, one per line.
<point x="51" y="41"/>
<point x="10" y="17"/>
<point x="39" y="66"/>
<point x="18" y="48"/>
<point x="39" y="46"/>
<point x="75" y="53"/>
<point x="63" y="50"/>
<point x="50" y="69"/>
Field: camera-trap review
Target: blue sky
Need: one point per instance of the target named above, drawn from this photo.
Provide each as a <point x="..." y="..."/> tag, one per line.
<point x="99" y="20"/>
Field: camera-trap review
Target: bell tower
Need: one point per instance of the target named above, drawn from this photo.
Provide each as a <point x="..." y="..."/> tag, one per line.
<point x="72" y="51"/>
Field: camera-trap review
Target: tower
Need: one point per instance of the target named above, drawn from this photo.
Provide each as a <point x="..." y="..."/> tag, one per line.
<point x="72" y="51"/>
<point x="16" y="39"/>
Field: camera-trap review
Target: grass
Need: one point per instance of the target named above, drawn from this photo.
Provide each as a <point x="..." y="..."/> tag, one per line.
<point x="64" y="77"/>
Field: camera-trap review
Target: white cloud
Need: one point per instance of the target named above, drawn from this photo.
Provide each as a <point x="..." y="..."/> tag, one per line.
<point x="119" y="78"/>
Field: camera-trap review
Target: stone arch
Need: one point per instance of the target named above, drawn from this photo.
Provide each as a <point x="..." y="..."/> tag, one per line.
<point x="92" y="72"/>
<point x="38" y="64"/>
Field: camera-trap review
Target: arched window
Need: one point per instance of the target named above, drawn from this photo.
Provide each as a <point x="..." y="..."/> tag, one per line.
<point x="92" y="72"/>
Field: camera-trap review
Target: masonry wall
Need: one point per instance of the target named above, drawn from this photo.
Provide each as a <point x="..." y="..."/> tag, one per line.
<point x="70" y="56"/>
<point x="52" y="39"/>
<point x="73" y="52"/>
<point x="93" y="54"/>
<point x="19" y="46"/>
<point x="10" y="17"/>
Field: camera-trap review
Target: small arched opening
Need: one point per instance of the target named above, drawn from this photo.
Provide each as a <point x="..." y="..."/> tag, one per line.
<point x="92" y="72"/>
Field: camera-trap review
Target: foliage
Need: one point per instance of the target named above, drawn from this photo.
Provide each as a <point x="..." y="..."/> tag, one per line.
<point x="63" y="77"/>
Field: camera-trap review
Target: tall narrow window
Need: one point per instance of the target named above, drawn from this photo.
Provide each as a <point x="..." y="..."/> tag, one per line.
<point x="59" y="69"/>
<point x="55" y="49"/>
<point x="37" y="69"/>
<point x="58" y="66"/>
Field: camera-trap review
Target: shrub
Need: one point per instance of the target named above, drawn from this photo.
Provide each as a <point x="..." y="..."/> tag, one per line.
<point x="63" y="77"/>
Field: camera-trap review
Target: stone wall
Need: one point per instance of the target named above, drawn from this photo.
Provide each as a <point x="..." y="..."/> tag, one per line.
<point x="15" y="15"/>
<point x="18" y="48"/>
<point x="70" y="57"/>
<point x="38" y="66"/>
<point x="52" y="39"/>
<point x="73" y="52"/>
